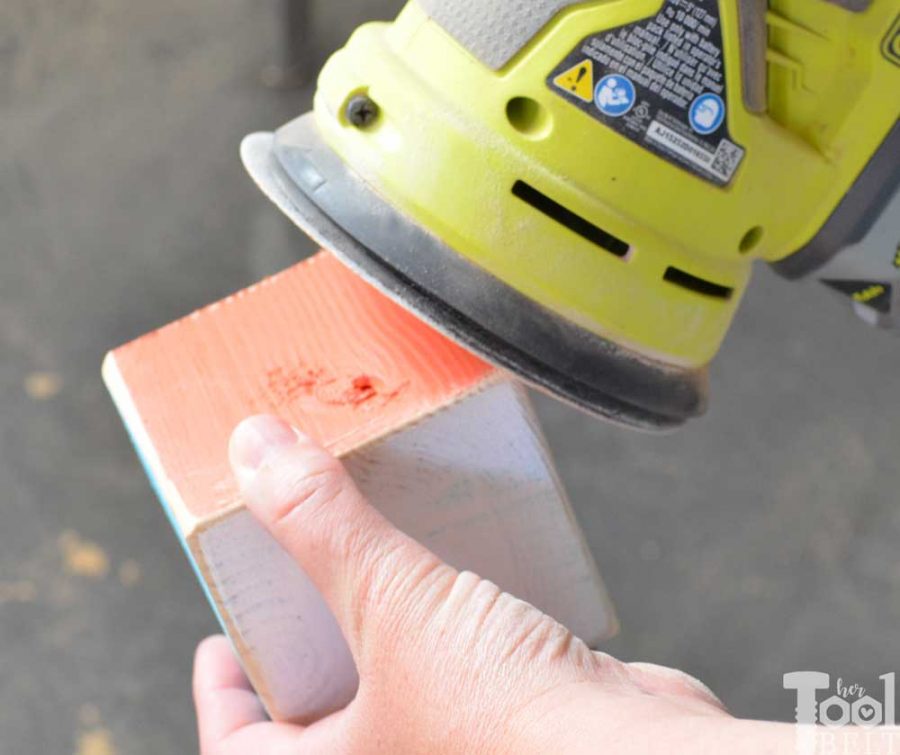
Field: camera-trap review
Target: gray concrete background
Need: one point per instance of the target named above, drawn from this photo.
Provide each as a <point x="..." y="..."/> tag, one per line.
<point x="757" y="541"/>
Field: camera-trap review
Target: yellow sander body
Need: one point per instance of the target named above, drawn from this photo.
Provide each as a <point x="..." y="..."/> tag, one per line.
<point x="577" y="190"/>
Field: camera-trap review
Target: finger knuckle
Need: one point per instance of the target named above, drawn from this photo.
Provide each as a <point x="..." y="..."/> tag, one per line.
<point x="476" y="609"/>
<point x="400" y="582"/>
<point x="538" y="637"/>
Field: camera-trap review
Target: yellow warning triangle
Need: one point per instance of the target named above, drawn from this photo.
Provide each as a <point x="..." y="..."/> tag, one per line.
<point x="578" y="80"/>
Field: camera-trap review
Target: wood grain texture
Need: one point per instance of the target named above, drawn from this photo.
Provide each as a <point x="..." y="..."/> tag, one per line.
<point x="315" y="345"/>
<point x="444" y="445"/>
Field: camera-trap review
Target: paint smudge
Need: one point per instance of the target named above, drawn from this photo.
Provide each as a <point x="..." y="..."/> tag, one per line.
<point x="358" y="391"/>
<point x="348" y="391"/>
<point x="82" y="557"/>
<point x="42" y="386"/>
<point x="23" y="591"/>
<point x="288" y="386"/>
<point x="130" y="573"/>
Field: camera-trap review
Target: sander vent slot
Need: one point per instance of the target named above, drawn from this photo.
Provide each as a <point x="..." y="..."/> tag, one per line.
<point x="697" y="285"/>
<point x="574" y="222"/>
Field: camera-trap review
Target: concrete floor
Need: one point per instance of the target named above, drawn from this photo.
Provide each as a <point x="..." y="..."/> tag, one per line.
<point x="757" y="541"/>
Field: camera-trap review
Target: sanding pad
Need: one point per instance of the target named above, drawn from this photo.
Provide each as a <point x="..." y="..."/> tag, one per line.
<point x="340" y="211"/>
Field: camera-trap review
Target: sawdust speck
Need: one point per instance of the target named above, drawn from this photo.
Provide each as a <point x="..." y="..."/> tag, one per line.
<point x="96" y="742"/>
<point x="82" y="557"/>
<point x="96" y="739"/>
<point x="130" y="573"/>
<point x="43" y="385"/>
<point x="23" y="591"/>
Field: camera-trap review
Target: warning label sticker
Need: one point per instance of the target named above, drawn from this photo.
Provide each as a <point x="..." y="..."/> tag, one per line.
<point x="871" y="293"/>
<point x="579" y="80"/>
<point x="661" y="83"/>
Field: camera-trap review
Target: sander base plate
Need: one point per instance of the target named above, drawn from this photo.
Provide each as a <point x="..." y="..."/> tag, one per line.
<point x="341" y="212"/>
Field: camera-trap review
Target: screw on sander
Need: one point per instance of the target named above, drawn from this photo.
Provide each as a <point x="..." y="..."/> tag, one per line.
<point x="362" y="111"/>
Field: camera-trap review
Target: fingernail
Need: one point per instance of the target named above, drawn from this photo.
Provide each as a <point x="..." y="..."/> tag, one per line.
<point x="253" y="440"/>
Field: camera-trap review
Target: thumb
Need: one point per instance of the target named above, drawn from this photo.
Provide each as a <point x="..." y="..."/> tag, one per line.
<point x="661" y="680"/>
<point x="365" y="568"/>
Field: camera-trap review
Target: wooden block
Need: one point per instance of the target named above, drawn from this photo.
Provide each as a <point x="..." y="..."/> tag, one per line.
<point x="444" y="445"/>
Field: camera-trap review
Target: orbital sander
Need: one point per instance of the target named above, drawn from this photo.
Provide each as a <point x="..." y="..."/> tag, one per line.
<point x="577" y="190"/>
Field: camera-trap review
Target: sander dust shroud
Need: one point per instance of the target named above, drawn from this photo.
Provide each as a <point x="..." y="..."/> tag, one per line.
<point x="576" y="191"/>
<point x="339" y="211"/>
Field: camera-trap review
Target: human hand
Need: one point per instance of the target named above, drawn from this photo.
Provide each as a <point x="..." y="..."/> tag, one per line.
<point x="448" y="663"/>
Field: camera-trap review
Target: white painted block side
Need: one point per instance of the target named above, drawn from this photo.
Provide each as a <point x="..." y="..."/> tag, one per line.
<point x="286" y="636"/>
<point x="475" y="484"/>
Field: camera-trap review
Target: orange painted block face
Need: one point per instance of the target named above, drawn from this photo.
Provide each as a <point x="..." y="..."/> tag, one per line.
<point x="315" y="345"/>
<point x="438" y="441"/>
